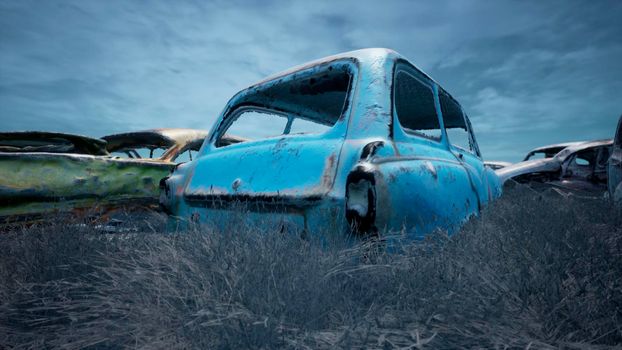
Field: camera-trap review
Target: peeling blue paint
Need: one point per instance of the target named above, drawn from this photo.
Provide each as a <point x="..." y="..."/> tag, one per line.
<point x="401" y="182"/>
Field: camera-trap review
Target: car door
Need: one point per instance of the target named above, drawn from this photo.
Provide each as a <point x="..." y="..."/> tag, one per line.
<point x="428" y="182"/>
<point x="463" y="145"/>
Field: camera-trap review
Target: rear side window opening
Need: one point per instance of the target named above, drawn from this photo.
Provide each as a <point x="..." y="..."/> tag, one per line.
<point x="414" y="106"/>
<point x="140" y="152"/>
<point x="309" y="103"/>
<point x="458" y="133"/>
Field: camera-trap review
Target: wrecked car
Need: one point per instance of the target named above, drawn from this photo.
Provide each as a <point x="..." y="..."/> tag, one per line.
<point x="360" y="141"/>
<point x="579" y="169"/>
<point x="164" y="145"/>
<point x="548" y="151"/>
<point x="614" y="169"/>
<point x="45" y="172"/>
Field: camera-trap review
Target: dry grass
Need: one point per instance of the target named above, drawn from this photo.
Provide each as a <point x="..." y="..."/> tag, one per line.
<point x="533" y="272"/>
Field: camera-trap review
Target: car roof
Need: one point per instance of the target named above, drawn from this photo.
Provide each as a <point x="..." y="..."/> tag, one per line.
<point x="556" y="145"/>
<point x="368" y="54"/>
<point x="50" y="142"/>
<point x="164" y="137"/>
<point x="563" y="154"/>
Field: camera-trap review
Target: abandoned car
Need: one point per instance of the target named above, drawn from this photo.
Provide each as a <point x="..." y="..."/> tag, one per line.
<point x="548" y="151"/>
<point x="580" y="169"/>
<point x="45" y="172"/>
<point x="614" y="170"/>
<point x="164" y="145"/>
<point x="362" y="140"/>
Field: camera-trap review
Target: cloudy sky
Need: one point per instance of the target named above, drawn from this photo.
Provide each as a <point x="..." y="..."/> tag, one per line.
<point x="527" y="72"/>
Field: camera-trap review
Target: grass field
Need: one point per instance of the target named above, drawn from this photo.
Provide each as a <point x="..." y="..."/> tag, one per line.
<point x="534" y="271"/>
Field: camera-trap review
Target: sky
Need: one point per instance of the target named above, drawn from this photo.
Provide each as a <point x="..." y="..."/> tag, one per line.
<point x="528" y="73"/>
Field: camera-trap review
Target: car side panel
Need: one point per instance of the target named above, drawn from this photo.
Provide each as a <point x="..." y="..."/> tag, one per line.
<point x="426" y="188"/>
<point x="420" y="195"/>
<point x="38" y="183"/>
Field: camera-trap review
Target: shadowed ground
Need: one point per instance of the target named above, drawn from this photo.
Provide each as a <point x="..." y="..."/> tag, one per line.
<point x="535" y="271"/>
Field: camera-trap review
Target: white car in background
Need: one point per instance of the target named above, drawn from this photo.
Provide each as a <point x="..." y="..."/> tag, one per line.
<point x="548" y="151"/>
<point x="580" y="168"/>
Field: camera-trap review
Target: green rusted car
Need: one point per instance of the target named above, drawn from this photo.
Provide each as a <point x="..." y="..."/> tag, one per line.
<point x="43" y="173"/>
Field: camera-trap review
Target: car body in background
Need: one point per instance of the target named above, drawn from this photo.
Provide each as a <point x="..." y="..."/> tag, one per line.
<point x="161" y="145"/>
<point x="496" y="164"/>
<point x="361" y="140"/>
<point x="614" y="169"/>
<point x="45" y="172"/>
<point x="580" y="169"/>
<point x="24" y="142"/>
<point x="548" y="151"/>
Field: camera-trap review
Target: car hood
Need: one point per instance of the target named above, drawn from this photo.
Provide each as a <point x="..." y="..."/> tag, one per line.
<point x="528" y="167"/>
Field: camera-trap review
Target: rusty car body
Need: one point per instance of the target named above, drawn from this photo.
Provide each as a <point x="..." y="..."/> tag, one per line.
<point x="359" y="141"/>
<point x="163" y="145"/>
<point x="614" y="168"/>
<point x="44" y="173"/>
<point x="579" y="169"/>
<point x="548" y="151"/>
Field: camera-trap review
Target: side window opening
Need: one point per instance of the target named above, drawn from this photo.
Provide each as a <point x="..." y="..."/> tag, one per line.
<point x="455" y="124"/>
<point x="582" y="161"/>
<point x="535" y="155"/>
<point x="189" y="151"/>
<point x="140" y="153"/>
<point x="414" y="106"/>
<point x="582" y="164"/>
<point x="303" y="104"/>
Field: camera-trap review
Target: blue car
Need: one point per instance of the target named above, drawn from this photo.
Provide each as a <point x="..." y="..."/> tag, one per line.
<point x="359" y="142"/>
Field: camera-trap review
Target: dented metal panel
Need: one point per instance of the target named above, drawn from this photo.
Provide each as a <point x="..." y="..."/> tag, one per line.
<point x="362" y="174"/>
<point x="43" y="172"/>
<point x="40" y="183"/>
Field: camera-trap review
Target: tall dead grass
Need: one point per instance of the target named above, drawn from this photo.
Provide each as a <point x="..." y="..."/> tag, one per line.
<point x="534" y="271"/>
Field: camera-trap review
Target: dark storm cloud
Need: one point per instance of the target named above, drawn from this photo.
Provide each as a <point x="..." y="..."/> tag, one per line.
<point x="527" y="72"/>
